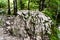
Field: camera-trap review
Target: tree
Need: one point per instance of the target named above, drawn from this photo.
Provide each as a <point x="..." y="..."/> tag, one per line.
<point x="15" y="7"/>
<point x="41" y="5"/>
<point x="21" y="5"/>
<point x="9" y="12"/>
<point x="28" y="4"/>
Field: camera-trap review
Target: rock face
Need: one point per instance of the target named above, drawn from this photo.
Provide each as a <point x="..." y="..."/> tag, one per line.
<point x="28" y="25"/>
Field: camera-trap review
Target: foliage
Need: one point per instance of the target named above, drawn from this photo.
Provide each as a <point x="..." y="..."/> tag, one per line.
<point x="52" y="10"/>
<point x="3" y="6"/>
<point x="2" y="11"/>
<point x="3" y="3"/>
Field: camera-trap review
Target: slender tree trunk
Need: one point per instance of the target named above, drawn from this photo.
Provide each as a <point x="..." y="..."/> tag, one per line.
<point x="9" y="12"/>
<point x="41" y="5"/>
<point x="21" y="5"/>
<point x="28" y="4"/>
<point x="43" y="1"/>
<point x="15" y="7"/>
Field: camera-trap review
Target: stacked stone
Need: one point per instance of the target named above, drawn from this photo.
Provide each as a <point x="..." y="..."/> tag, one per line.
<point x="29" y="25"/>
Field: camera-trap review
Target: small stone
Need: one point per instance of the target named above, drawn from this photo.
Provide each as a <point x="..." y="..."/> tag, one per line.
<point x="7" y="22"/>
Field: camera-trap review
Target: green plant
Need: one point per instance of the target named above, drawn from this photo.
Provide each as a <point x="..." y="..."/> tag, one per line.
<point x="3" y="3"/>
<point x="2" y="11"/>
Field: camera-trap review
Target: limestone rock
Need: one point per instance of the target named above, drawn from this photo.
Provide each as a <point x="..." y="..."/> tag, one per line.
<point x="28" y="25"/>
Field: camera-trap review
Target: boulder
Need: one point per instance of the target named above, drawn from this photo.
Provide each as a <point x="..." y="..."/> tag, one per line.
<point x="29" y="24"/>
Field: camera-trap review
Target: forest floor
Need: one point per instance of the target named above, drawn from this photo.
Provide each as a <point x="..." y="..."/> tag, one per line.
<point x="3" y="34"/>
<point x="6" y="36"/>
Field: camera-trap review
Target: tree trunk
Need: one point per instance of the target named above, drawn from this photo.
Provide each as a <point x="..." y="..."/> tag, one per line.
<point x="21" y="4"/>
<point x="28" y="4"/>
<point x="43" y="1"/>
<point x="41" y="5"/>
<point x="9" y="12"/>
<point x="15" y="7"/>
